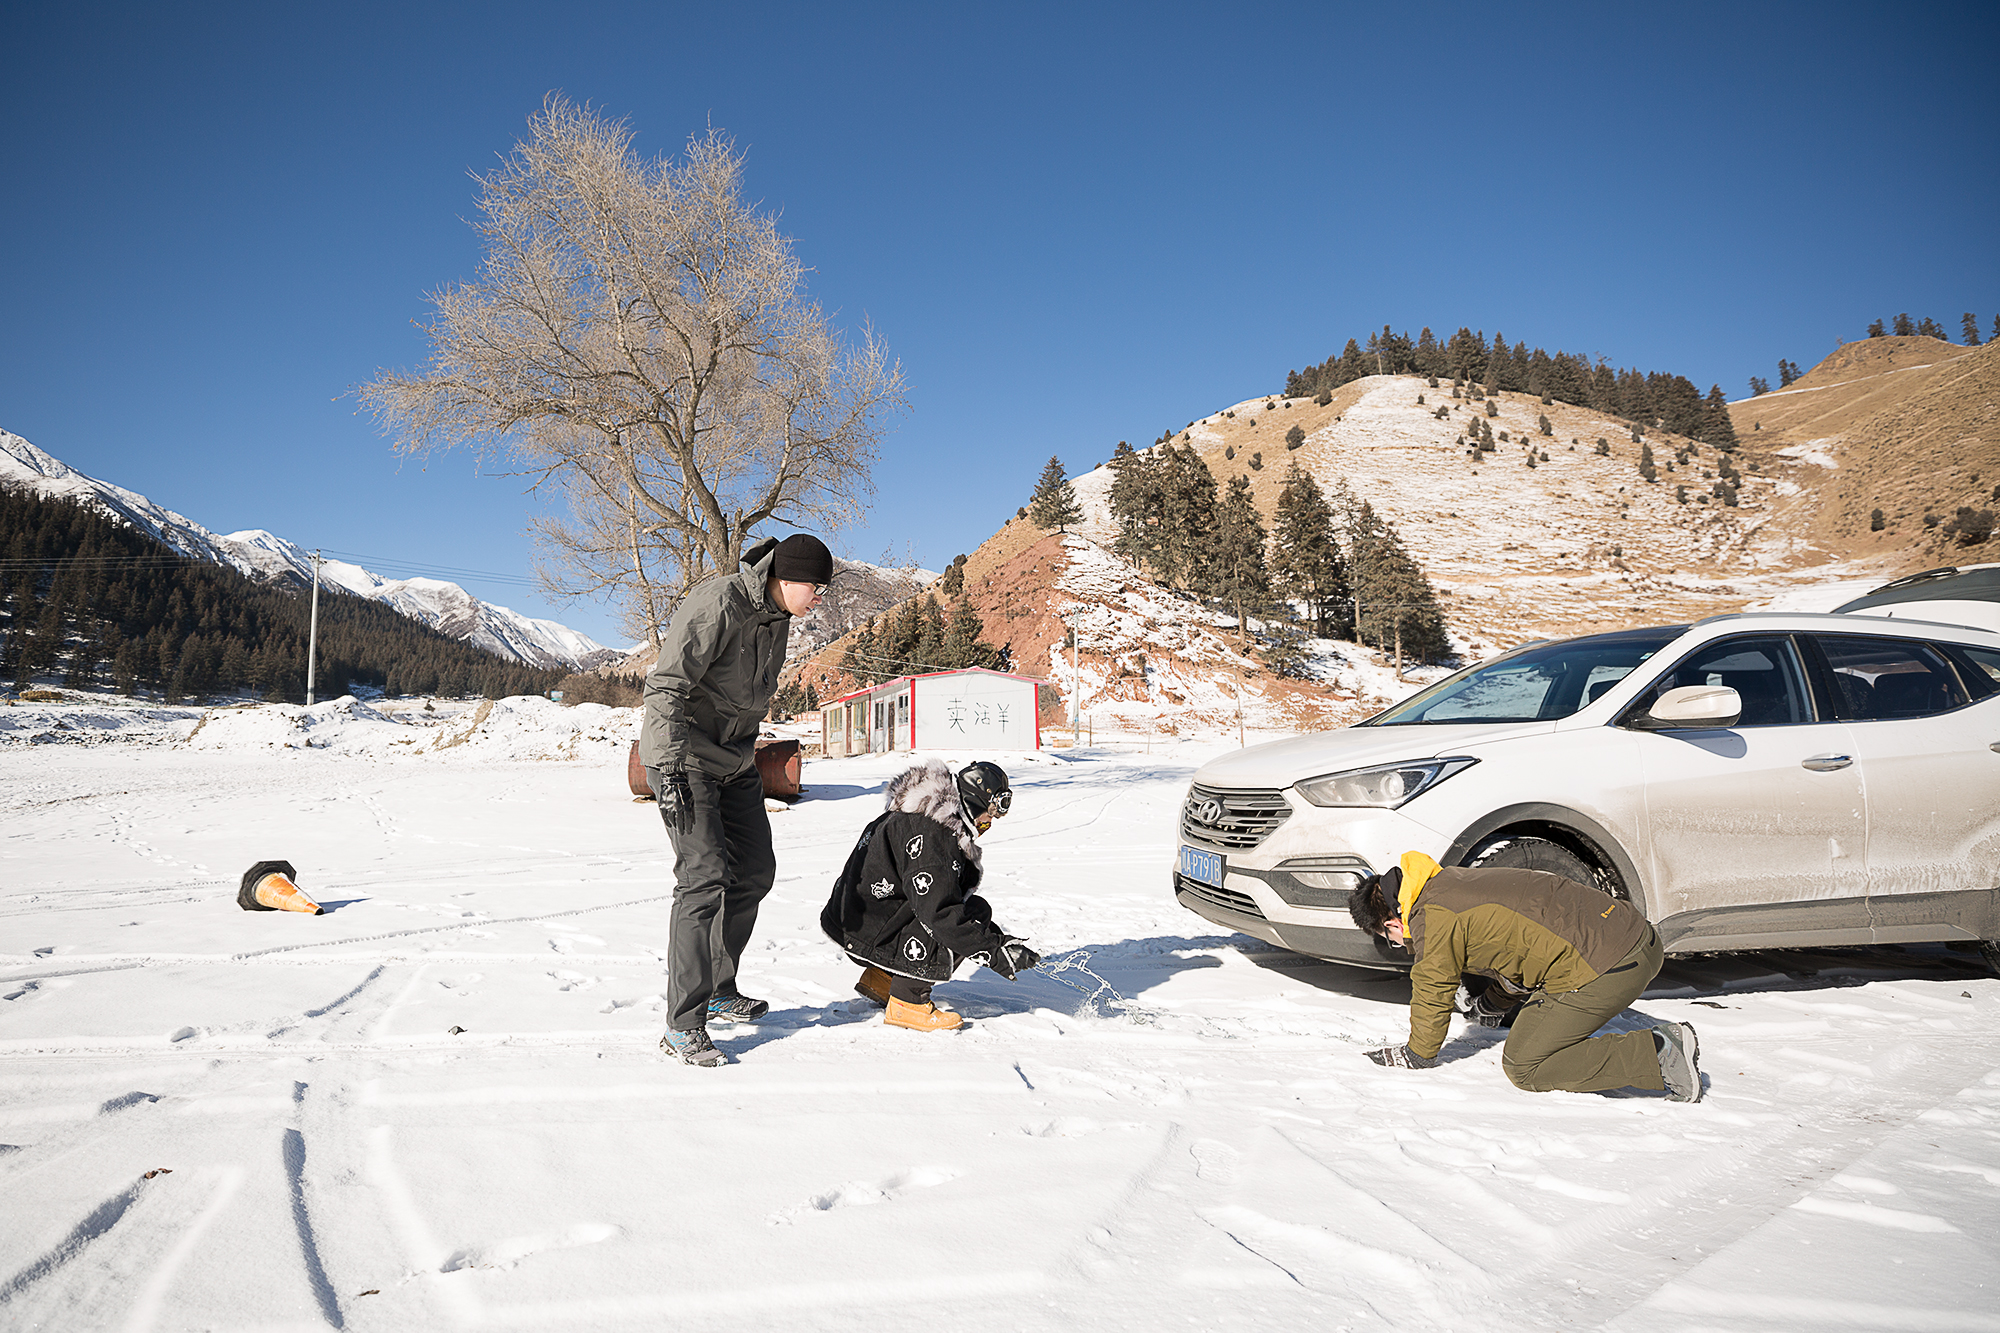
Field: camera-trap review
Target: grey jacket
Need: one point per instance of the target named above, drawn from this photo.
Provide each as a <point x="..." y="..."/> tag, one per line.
<point x="718" y="667"/>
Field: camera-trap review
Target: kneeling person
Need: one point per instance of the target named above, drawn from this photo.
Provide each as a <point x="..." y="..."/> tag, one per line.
<point x="904" y="906"/>
<point x="1570" y="956"/>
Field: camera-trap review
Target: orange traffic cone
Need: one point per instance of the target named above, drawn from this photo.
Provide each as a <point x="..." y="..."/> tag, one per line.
<point x="267" y="887"/>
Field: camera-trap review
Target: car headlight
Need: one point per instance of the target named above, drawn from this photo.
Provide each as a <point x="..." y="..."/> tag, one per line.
<point x="1388" y="786"/>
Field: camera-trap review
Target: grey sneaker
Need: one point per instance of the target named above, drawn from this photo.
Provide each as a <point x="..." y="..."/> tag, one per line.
<point x="1679" y="1050"/>
<point x="736" y="1009"/>
<point x="692" y="1047"/>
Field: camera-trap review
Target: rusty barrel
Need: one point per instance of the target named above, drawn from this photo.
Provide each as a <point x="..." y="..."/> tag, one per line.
<point x="778" y="765"/>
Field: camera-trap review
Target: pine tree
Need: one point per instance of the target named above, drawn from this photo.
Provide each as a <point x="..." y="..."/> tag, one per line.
<point x="1306" y="564"/>
<point x="1759" y="387"/>
<point x="1930" y="328"/>
<point x="953" y="581"/>
<point x="928" y="654"/>
<point x="1187" y="518"/>
<point x="1397" y="607"/>
<point x="1875" y="330"/>
<point x="962" y="644"/>
<point x="1054" y="504"/>
<point x="858" y="660"/>
<point x="1136" y="504"/>
<point x="1904" y="328"/>
<point x="1787" y="372"/>
<point x="1646" y="467"/>
<point x="1716" y="427"/>
<point x="1294" y="437"/>
<point x="1236" y="572"/>
<point x="1970" y="324"/>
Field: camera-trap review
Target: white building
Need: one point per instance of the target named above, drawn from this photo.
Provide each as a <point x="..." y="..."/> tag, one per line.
<point x="973" y="709"/>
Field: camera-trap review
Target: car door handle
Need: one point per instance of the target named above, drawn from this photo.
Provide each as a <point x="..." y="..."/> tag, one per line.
<point x="1827" y="763"/>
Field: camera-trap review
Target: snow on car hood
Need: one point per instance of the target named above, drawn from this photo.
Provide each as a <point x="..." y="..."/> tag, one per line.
<point x="1281" y="763"/>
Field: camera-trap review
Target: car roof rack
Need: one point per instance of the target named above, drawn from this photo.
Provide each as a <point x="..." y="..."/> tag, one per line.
<point x="1941" y="572"/>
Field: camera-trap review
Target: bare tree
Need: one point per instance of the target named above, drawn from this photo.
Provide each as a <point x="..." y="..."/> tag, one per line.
<point x="639" y="339"/>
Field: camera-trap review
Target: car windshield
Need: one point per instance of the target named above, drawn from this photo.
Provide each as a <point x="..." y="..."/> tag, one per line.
<point x="1536" y="683"/>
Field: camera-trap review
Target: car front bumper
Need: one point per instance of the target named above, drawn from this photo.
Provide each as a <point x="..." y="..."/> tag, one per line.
<point x="1335" y="944"/>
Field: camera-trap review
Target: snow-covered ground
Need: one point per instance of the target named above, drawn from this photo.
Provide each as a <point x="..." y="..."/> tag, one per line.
<point x="439" y="1105"/>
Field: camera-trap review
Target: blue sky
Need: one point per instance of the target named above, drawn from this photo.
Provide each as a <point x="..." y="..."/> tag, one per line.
<point x="1074" y="224"/>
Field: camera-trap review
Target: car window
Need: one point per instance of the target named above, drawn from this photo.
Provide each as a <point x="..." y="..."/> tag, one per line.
<point x="1532" y="684"/>
<point x="1979" y="668"/>
<point x="1764" y="672"/>
<point x="1882" y="679"/>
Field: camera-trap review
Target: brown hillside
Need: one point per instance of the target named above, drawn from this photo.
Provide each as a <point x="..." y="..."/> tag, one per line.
<point x="1008" y="580"/>
<point x="1907" y="425"/>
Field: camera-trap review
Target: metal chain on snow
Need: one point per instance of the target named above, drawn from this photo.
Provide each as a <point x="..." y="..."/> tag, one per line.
<point x="1078" y="960"/>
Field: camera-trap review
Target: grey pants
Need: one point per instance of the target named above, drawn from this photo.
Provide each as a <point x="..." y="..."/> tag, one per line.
<point x="723" y="867"/>
<point x="1550" y="1048"/>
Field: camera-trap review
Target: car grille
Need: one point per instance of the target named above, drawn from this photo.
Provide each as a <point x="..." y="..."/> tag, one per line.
<point x="1243" y="818"/>
<point x="1229" y="898"/>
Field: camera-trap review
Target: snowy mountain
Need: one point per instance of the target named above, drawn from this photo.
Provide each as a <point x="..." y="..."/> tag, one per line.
<point x="260" y="555"/>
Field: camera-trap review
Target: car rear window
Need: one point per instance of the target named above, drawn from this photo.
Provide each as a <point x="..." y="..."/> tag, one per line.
<point x="1978" y="667"/>
<point x="1879" y="680"/>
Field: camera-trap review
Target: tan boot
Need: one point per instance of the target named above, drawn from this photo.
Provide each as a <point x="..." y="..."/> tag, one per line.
<point x="920" y="1017"/>
<point x="873" y="987"/>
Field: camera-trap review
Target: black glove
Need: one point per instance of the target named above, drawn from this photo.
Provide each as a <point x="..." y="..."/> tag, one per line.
<point x="676" y="800"/>
<point x="1011" y="957"/>
<point x="1401" y="1057"/>
<point x="1481" y="1009"/>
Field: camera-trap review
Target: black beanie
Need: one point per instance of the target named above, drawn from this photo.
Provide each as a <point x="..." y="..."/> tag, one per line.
<point x="802" y="558"/>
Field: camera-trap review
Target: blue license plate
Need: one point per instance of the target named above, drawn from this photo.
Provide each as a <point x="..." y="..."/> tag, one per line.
<point x="1203" y="867"/>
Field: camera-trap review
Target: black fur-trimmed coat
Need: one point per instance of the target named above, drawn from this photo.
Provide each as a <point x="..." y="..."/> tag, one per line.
<point x="904" y="902"/>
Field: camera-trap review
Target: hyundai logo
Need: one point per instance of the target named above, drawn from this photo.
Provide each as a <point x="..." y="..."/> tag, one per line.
<point x="1207" y="811"/>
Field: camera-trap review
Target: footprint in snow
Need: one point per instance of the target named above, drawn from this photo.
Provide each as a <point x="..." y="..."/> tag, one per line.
<point x="573" y="980"/>
<point x="1216" y="1162"/>
<point x="861" y="1193"/>
<point x="506" y="1253"/>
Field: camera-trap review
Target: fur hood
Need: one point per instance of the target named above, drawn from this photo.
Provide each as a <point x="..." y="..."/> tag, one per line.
<point x="929" y="789"/>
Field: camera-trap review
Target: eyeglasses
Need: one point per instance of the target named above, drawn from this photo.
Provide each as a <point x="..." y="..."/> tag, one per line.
<point x="819" y="589"/>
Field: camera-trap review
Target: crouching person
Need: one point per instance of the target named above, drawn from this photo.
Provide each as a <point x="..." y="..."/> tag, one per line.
<point x="904" y="906"/>
<point x="1570" y="956"/>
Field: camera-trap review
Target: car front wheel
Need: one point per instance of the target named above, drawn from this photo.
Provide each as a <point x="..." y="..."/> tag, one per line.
<point x="1529" y="853"/>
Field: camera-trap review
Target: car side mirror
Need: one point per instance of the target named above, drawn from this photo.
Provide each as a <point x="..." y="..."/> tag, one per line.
<point x="1693" y="706"/>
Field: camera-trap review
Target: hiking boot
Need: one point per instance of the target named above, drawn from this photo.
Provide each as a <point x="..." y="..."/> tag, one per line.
<point x="873" y="987"/>
<point x="920" y="1017"/>
<point x="736" y="1009"/>
<point x="692" y="1047"/>
<point x="1678" y="1050"/>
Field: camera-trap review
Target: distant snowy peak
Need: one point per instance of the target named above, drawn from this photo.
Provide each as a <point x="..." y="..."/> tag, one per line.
<point x="445" y="607"/>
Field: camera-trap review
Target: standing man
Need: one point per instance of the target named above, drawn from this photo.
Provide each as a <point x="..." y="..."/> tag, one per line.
<point x="1570" y="956"/>
<point x="705" y="702"/>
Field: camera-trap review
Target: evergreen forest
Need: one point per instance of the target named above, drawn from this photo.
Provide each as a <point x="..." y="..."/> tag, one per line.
<point x="91" y="602"/>
<point x="1664" y="401"/>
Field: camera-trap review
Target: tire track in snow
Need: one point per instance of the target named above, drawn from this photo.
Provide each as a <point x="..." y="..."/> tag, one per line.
<point x="294" y="1152"/>
<point x="94" y="1226"/>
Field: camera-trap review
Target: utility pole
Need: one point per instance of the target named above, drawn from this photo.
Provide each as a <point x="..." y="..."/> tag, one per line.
<point x="312" y="633"/>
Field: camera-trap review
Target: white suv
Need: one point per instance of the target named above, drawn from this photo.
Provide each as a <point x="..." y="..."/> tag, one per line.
<point x="1749" y="781"/>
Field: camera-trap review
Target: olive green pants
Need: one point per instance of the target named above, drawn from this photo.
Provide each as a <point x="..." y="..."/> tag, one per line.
<point x="1550" y="1048"/>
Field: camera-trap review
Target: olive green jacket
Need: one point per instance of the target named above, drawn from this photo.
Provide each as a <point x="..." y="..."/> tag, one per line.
<point x="1528" y="929"/>
<point x="707" y="696"/>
